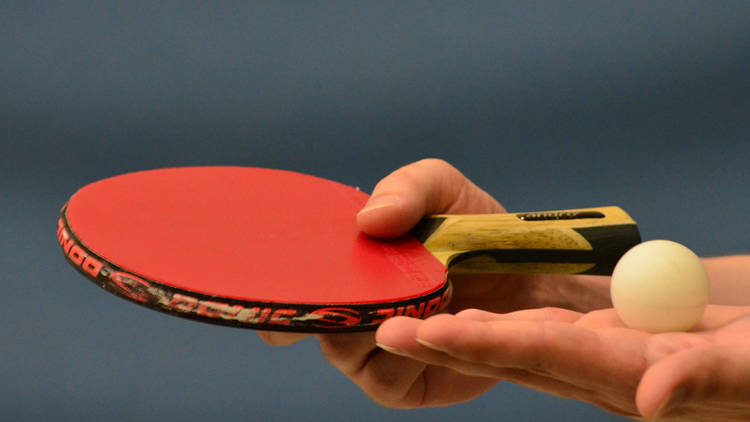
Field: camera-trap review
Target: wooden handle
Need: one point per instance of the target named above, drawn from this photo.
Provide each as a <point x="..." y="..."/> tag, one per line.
<point x="583" y="241"/>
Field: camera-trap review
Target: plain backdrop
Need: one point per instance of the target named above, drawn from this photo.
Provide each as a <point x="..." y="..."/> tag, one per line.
<point x="546" y="105"/>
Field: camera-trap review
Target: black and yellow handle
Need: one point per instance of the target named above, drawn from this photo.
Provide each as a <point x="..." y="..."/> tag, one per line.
<point x="583" y="241"/>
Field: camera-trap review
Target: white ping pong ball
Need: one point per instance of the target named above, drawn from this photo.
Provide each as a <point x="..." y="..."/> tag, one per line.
<point x="660" y="286"/>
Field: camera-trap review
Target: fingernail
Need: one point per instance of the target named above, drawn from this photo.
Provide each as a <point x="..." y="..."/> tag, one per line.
<point x="379" y="202"/>
<point x="393" y="350"/>
<point x="429" y="345"/>
<point x="672" y="402"/>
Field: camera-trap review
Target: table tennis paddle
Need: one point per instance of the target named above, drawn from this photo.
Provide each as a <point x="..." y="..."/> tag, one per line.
<point x="279" y="250"/>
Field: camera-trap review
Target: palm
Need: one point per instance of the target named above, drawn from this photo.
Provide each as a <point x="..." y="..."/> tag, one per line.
<point x="409" y="386"/>
<point x="561" y="352"/>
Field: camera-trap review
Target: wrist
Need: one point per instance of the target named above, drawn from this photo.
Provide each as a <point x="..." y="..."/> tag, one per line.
<point x="580" y="293"/>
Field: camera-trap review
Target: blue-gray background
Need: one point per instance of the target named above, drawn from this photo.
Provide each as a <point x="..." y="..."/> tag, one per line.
<point x="545" y="105"/>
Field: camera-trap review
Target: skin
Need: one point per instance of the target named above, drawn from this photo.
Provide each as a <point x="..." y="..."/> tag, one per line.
<point x="554" y="333"/>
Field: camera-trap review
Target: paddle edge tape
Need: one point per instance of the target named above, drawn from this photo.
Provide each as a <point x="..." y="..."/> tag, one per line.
<point x="294" y="317"/>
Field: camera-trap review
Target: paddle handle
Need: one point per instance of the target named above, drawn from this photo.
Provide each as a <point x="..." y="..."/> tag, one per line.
<point x="580" y="241"/>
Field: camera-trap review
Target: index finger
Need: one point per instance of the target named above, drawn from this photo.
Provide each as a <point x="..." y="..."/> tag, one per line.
<point x="558" y="349"/>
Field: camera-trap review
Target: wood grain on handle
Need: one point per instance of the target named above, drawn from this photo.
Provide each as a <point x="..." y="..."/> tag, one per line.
<point x="585" y="241"/>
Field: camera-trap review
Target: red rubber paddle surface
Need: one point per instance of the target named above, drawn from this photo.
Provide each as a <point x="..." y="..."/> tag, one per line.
<point x="249" y="234"/>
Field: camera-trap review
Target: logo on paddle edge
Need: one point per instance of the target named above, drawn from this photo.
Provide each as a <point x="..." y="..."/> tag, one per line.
<point x="328" y="317"/>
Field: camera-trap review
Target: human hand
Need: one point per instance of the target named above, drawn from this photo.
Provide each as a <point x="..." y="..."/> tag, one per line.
<point x="397" y="203"/>
<point x="555" y="341"/>
<point x="702" y="375"/>
<point x="400" y="200"/>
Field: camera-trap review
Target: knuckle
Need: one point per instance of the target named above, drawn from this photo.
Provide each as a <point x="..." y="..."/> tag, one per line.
<point x="269" y="338"/>
<point x="382" y="388"/>
<point x="439" y="167"/>
<point x="471" y="313"/>
<point x="390" y="391"/>
<point x="279" y="338"/>
<point x="333" y="347"/>
<point x="553" y="313"/>
<point x="436" y="163"/>
<point x="397" y="180"/>
<point x="428" y="166"/>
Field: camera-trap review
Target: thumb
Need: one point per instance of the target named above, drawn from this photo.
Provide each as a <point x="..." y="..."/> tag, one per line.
<point x="428" y="186"/>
